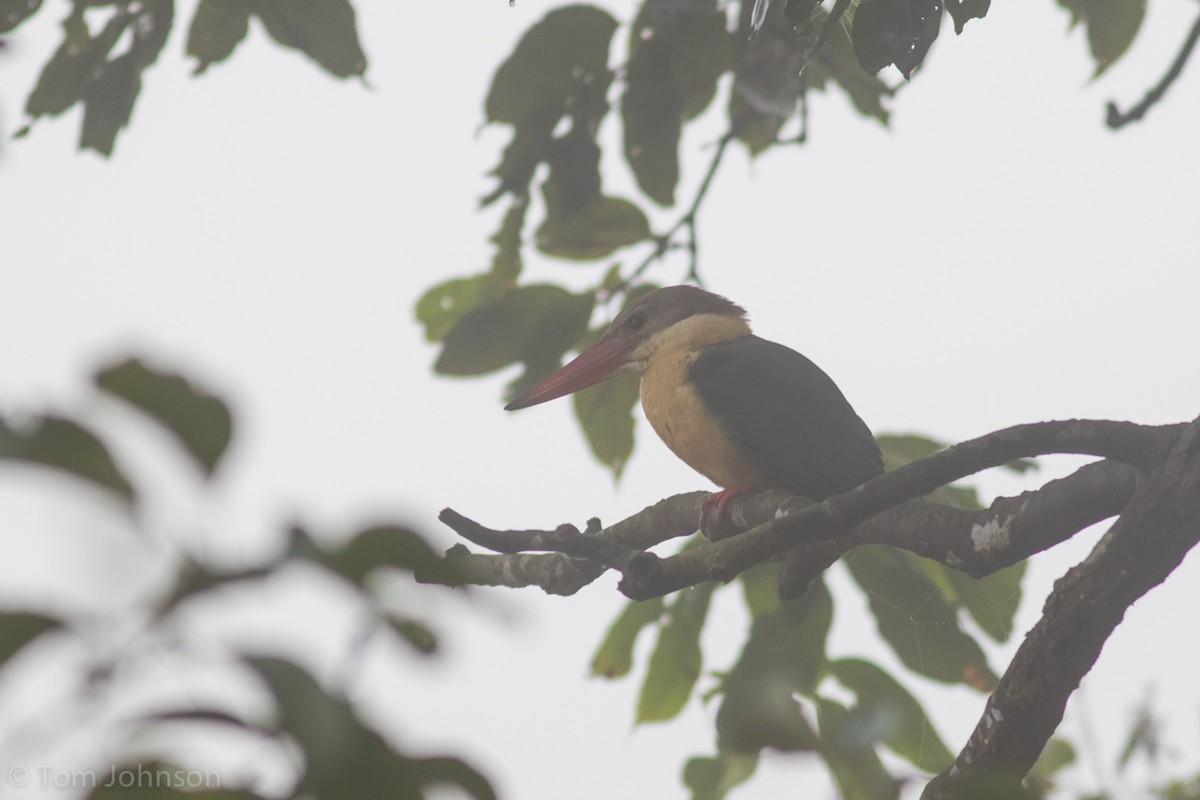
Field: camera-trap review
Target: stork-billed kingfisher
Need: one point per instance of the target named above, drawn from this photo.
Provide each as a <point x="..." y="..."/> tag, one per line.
<point x="746" y="413"/>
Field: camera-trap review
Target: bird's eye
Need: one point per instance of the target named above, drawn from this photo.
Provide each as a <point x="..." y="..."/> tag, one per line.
<point x="635" y="322"/>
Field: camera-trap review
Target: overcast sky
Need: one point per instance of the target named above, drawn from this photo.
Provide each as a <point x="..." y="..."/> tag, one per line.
<point x="998" y="256"/>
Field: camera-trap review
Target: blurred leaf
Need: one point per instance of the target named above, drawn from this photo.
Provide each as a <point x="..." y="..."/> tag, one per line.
<point x="1111" y="26"/>
<point x="760" y="588"/>
<point x="886" y="712"/>
<point x="417" y="634"/>
<point x="595" y="231"/>
<point x="19" y="628"/>
<point x="193" y="579"/>
<point x="506" y="262"/>
<point x="566" y="50"/>
<point x="836" y="62"/>
<point x="1057" y="754"/>
<point x="533" y="325"/>
<point x="218" y="26"/>
<point x="895" y="32"/>
<point x="992" y="601"/>
<point x="344" y="758"/>
<point x="614" y="657"/>
<point x="64" y="445"/>
<point x="442" y="306"/>
<point x="324" y="30"/>
<point x="392" y="547"/>
<point x="900" y="449"/>
<point x="676" y="661"/>
<point x="963" y="11"/>
<point x="14" y="12"/>
<point x="1145" y="737"/>
<point x="712" y="778"/>
<point x="784" y="655"/>
<point x="606" y="413"/>
<point x="915" y="618"/>
<point x="852" y="760"/>
<point x="77" y="62"/>
<point x="766" y="79"/>
<point x="157" y="780"/>
<point x="677" y="53"/>
<point x="198" y="419"/>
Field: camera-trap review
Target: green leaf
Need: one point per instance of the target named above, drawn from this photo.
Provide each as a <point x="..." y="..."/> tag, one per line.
<point x="533" y="325"/>
<point x="157" y="780"/>
<point x="386" y="546"/>
<point x="766" y="79"/>
<point x="676" y="661"/>
<point x="836" y="62"/>
<point x="963" y="11"/>
<point x="992" y="601"/>
<point x="900" y="449"/>
<point x="712" y="778"/>
<point x="442" y="306"/>
<point x="915" y="618"/>
<point x="1057" y="754"/>
<point x="197" y="418"/>
<point x="324" y="30"/>
<point x="886" y="712"/>
<point x="417" y="634"/>
<point x="677" y="53"/>
<point x="1111" y="26"/>
<point x="614" y="657"/>
<point x="851" y="758"/>
<point x="506" y="262"/>
<point x="19" y="628"/>
<point x="14" y="12"/>
<point x="896" y="32"/>
<point x="217" y="28"/>
<point x="784" y="654"/>
<point x="75" y="64"/>
<point x="556" y="58"/>
<point x="64" y="445"/>
<point x="605" y="225"/>
<point x="605" y="412"/>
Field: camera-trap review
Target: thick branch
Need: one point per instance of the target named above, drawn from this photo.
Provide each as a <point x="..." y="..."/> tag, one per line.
<point x="1157" y="529"/>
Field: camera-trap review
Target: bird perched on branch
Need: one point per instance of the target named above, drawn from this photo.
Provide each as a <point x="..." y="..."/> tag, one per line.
<point x="746" y="413"/>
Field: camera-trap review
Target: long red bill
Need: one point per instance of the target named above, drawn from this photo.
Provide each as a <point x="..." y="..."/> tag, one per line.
<point x="589" y="367"/>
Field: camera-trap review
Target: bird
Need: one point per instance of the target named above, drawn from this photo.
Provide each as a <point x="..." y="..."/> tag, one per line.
<point x="747" y="413"/>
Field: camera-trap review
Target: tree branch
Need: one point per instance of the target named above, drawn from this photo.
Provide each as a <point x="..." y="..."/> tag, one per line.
<point x="1157" y="529"/>
<point x="1116" y="119"/>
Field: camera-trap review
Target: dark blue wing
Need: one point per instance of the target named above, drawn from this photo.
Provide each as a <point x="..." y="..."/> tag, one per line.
<point x="788" y="417"/>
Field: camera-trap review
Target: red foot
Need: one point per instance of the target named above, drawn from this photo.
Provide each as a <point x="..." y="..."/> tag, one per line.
<point x="720" y="500"/>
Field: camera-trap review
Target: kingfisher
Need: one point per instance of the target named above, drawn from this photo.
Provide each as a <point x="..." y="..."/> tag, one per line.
<point x="747" y="413"/>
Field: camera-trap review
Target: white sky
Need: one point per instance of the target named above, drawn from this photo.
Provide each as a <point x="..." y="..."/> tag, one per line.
<point x="997" y="257"/>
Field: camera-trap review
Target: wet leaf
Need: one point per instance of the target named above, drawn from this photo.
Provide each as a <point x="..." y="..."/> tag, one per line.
<point x="533" y="325"/>
<point x="197" y="418"/>
<point x="896" y="32"/>
<point x="324" y="30"/>
<point x="19" y="628"/>
<point x="676" y="661"/>
<point x="855" y="765"/>
<point x="962" y="11"/>
<point x="64" y="445"/>
<point x="1111" y="26"/>
<point x="564" y="52"/>
<point x="711" y="778"/>
<point x="766" y="79"/>
<point x="614" y="657"/>
<point x="886" y="712"/>
<point x="836" y="62"/>
<point x="14" y="12"/>
<point x="915" y="618"/>
<point x="218" y="26"/>
<point x="677" y="53"/>
<point x="784" y="655"/>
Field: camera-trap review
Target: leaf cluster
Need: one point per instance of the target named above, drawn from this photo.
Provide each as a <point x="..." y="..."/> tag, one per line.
<point x="337" y="754"/>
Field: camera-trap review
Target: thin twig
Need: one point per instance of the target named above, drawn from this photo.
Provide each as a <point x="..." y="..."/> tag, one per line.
<point x="1116" y="119"/>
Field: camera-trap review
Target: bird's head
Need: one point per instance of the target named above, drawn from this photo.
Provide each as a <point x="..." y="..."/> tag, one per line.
<point x="639" y="331"/>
